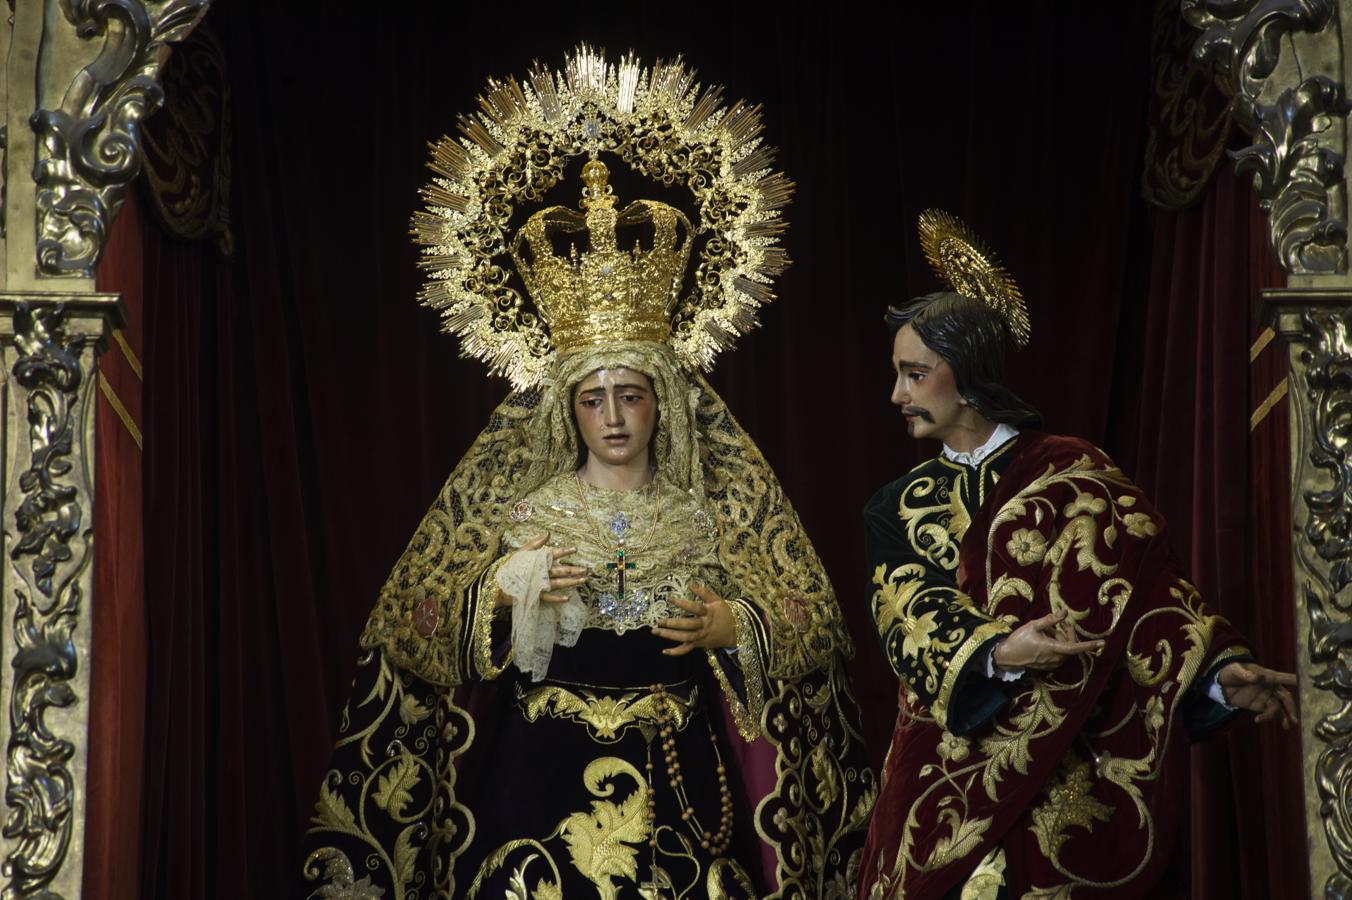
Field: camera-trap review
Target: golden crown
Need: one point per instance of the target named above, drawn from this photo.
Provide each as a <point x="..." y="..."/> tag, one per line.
<point x="603" y="293"/>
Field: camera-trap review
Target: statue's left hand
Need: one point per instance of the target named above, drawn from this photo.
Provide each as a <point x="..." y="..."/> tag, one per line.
<point x="1259" y="690"/>
<point x="709" y="625"/>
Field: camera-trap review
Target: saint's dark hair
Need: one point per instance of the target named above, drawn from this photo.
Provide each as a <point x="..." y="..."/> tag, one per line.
<point x="969" y="336"/>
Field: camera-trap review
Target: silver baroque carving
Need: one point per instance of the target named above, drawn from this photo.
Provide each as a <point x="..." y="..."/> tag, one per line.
<point x="89" y="147"/>
<point x="1299" y="146"/>
<point x="1324" y="442"/>
<point x="49" y="520"/>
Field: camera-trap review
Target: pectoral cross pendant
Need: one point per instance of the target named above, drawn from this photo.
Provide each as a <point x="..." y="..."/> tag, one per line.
<point x="624" y="607"/>
<point x="619" y="566"/>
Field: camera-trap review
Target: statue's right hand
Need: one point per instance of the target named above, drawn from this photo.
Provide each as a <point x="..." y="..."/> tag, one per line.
<point x="561" y="577"/>
<point x="1040" y="644"/>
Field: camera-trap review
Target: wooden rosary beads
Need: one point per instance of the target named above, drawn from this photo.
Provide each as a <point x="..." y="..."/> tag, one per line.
<point x="715" y="843"/>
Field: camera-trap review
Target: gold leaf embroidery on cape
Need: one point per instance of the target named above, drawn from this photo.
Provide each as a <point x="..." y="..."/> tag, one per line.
<point x="603" y="843"/>
<point x="394" y="788"/>
<point x="1069" y="804"/>
<point x="935" y="518"/>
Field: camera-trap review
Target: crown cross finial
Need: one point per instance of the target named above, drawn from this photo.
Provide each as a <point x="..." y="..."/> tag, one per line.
<point x="596" y="191"/>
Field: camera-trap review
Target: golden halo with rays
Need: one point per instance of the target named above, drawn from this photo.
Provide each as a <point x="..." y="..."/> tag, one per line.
<point x="661" y="123"/>
<point x="969" y="267"/>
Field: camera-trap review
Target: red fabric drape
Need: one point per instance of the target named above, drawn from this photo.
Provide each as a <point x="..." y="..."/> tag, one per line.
<point x="301" y="411"/>
<point x="1224" y="491"/>
<point x="118" y="677"/>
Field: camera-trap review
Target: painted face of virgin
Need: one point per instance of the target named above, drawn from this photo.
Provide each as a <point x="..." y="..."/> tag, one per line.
<point x="616" y="411"/>
<point x="925" y="388"/>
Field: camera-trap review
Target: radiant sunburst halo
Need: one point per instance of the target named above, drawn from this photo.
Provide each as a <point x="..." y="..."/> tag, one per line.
<point x="969" y="267"/>
<point x="662" y="124"/>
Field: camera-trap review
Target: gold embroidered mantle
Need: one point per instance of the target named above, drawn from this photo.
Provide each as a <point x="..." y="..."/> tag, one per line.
<point x="1061" y="764"/>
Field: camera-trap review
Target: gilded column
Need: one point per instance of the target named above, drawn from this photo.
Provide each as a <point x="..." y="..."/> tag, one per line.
<point x="1285" y="66"/>
<point x="79" y="77"/>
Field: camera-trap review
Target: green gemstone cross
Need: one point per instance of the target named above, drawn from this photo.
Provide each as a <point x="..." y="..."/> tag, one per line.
<point x="618" y="567"/>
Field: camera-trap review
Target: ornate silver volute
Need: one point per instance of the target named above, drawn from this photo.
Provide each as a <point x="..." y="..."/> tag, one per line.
<point x="88" y="147"/>
<point x="1283" y="62"/>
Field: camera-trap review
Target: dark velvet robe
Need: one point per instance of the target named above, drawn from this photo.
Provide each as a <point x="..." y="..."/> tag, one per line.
<point x="1058" y="766"/>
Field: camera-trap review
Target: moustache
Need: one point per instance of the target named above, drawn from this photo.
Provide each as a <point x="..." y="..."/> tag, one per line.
<point x="918" y="411"/>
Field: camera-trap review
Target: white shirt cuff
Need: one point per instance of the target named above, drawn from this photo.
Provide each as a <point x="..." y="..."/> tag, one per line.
<point x="1002" y="674"/>
<point x="1215" y="692"/>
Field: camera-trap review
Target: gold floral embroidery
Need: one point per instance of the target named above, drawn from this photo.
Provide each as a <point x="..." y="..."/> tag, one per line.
<point x="935" y="518"/>
<point x="715" y="888"/>
<point x="1027" y="546"/>
<point x="953" y="748"/>
<point x="603" y="843"/>
<point x="930" y="629"/>
<point x="386" y="788"/>
<point x="958" y="661"/>
<point x="801" y="832"/>
<point x="918" y="635"/>
<point x="964" y="836"/>
<point x="987" y="878"/>
<point x="606" y="717"/>
<point x="341" y="882"/>
<point x="1069" y="804"/>
<point x="1140" y="525"/>
<point x="1085" y="504"/>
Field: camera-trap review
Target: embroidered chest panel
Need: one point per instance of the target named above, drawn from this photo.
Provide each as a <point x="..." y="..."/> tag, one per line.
<point x="640" y="548"/>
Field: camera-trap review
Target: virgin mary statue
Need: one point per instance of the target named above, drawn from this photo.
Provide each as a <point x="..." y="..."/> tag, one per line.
<point x="609" y="662"/>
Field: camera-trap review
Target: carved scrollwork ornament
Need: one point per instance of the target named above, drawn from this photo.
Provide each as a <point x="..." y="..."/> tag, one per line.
<point x="1323" y="376"/>
<point x="1299" y="149"/>
<point x="51" y="523"/>
<point x="660" y="123"/>
<point x="89" y="146"/>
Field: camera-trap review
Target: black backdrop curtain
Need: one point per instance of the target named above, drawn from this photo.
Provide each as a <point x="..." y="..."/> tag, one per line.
<point x="301" y="410"/>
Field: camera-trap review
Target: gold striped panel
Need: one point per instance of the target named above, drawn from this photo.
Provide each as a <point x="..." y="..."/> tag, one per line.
<point x="116" y="403"/>
<point x="1267" y="405"/>
<point x="1261" y="343"/>
<point x="128" y="354"/>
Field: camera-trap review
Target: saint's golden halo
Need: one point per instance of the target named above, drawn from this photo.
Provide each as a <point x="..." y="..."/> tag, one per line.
<point x="660" y="123"/>
<point x="969" y="267"/>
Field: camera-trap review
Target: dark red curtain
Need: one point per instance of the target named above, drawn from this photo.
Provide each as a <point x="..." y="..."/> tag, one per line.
<point x="1215" y="456"/>
<point x="118" y="673"/>
<point x="301" y="410"/>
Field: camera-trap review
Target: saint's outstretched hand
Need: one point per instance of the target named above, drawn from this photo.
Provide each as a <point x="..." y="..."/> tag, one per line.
<point x="1259" y="690"/>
